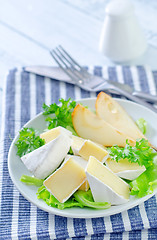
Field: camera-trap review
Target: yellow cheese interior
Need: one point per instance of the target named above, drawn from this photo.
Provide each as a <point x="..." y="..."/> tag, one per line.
<point x="90" y="148"/>
<point x="66" y="180"/>
<point x="123" y="165"/>
<point x="98" y="170"/>
<point x="84" y="186"/>
<point x="77" y="142"/>
<point x="50" y="135"/>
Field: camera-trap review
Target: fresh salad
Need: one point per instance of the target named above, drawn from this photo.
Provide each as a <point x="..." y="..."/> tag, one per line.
<point x="88" y="158"/>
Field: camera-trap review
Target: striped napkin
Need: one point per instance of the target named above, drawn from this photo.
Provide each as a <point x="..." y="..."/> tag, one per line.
<point x="24" y="95"/>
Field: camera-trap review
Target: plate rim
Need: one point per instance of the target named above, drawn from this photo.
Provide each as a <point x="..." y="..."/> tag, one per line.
<point x="63" y="213"/>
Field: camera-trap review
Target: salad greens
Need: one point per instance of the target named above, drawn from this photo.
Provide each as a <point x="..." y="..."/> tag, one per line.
<point x="60" y="115"/>
<point x="50" y="200"/>
<point x="146" y="182"/>
<point x="28" y="141"/>
<point x="142" y="124"/>
<point x="79" y="199"/>
<point x="31" y="180"/>
<point x="86" y="199"/>
<point x="141" y="153"/>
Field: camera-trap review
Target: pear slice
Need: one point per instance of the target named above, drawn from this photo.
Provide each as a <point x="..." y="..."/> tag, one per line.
<point x="111" y="111"/>
<point x="90" y="126"/>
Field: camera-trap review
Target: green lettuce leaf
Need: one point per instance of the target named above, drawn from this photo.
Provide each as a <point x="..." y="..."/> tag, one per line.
<point x="31" y="180"/>
<point x="50" y="200"/>
<point x="79" y="199"/>
<point x="86" y="199"/>
<point x="145" y="183"/>
<point x="142" y="125"/>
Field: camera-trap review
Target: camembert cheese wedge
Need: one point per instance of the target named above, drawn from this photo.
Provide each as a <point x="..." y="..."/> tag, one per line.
<point x="77" y="143"/>
<point x="65" y="180"/>
<point x="44" y="160"/>
<point x="90" y="148"/>
<point x="125" y="169"/>
<point x="105" y="185"/>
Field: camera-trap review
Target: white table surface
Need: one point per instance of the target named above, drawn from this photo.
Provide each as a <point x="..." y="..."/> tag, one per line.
<point x="29" y="28"/>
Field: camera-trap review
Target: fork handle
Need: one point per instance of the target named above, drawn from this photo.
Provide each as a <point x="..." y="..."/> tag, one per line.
<point x="146" y="96"/>
<point x="135" y="99"/>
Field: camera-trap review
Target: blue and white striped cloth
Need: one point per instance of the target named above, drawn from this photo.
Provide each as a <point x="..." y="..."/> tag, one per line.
<point x="23" y="98"/>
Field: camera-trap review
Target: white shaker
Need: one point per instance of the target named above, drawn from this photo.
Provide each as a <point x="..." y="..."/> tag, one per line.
<point x="121" y="39"/>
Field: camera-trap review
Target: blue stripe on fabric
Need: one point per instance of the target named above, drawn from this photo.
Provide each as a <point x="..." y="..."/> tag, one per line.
<point x="42" y="224"/>
<point x="24" y="205"/>
<point x="70" y="91"/>
<point x="100" y="236"/>
<point x="85" y="94"/>
<point x="24" y="238"/>
<point x="98" y="71"/>
<point x="143" y="78"/>
<point x="25" y="98"/>
<point x="42" y="217"/>
<point x="40" y="93"/>
<point x="55" y="93"/>
<point x="152" y="234"/>
<point x="9" y="132"/>
<point x="80" y="227"/>
<point x="23" y="217"/>
<point x="151" y="210"/>
<point x="117" y="223"/>
<point x="127" y="76"/>
<point x="135" y="218"/>
<point x="78" y="238"/>
<point x="112" y="75"/>
<point x="155" y="78"/>
<point x="61" y="229"/>
<point x="135" y="235"/>
<point x="98" y="225"/>
<point x="116" y="236"/>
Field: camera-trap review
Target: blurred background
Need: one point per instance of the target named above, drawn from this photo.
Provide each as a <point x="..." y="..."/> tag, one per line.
<point x="29" y="29"/>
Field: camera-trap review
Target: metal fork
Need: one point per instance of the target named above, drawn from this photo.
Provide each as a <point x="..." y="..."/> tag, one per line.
<point x="81" y="77"/>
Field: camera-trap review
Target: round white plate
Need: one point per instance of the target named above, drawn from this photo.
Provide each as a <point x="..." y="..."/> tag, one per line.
<point x="17" y="168"/>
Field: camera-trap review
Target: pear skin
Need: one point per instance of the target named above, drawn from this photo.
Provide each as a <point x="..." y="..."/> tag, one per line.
<point x="90" y="126"/>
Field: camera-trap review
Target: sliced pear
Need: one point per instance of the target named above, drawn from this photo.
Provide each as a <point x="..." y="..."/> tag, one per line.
<point x="111" y="111"/>
<point x="90" y="126"/>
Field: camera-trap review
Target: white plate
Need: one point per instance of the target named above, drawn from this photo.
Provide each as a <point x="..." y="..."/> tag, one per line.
<point x="17" y="168"/>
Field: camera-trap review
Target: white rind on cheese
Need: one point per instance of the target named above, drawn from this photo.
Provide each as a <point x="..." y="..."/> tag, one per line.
<point x="125" y="169"/>
<point x="90" y="148"/>
<point x="105" y="185"/>
<point x="130" y="174"/>
<point x="65" y="180"/>
<point x="76" y="144"/>
<point x="44" y="160"/>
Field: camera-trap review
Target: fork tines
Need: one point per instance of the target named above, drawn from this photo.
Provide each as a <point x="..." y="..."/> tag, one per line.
<point x="68" y="64"/>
